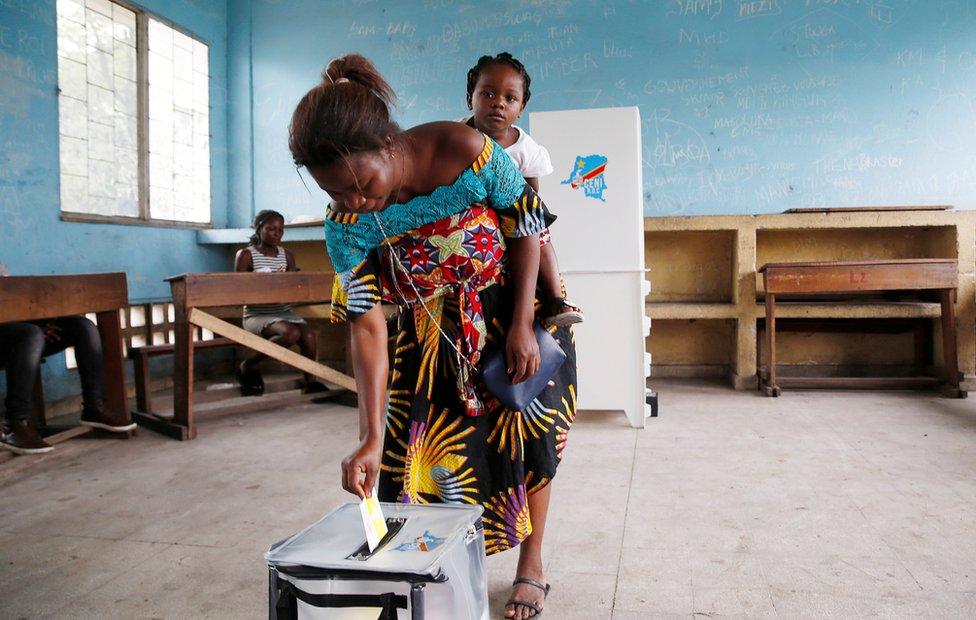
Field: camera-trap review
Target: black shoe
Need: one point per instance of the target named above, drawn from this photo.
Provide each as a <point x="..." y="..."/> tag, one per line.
<point x="96" y="416"/>
<point x="20" y="437"/>
<point x="250" y="380"/>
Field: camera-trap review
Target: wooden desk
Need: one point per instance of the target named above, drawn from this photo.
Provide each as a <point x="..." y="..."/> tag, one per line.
<point x="796" y="280"/>
<point x="32" y="298"/>
<point x="194" y="291"/>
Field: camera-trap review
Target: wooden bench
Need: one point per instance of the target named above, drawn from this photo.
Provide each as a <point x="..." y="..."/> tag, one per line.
<point x="32" y="298"/>
<point x="792" y="281"/>
<point x="140" y="359"/>
<point x="194" y="291"/>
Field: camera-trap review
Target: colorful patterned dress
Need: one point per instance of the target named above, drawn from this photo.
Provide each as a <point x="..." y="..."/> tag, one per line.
<point x="447" y="439"/>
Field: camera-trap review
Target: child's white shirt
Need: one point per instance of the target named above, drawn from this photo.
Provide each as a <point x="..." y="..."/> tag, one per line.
<point x="530" y="157"/>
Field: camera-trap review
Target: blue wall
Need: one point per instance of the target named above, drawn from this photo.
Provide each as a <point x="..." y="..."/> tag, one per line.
<point x="33" y="238"/>
<point x="748" y="106"/>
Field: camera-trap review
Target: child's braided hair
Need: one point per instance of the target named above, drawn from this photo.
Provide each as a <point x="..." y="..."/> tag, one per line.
<point x="504" y="58"/>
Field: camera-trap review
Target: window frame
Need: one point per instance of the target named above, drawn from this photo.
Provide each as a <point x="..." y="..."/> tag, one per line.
<point x="142" y="132"/>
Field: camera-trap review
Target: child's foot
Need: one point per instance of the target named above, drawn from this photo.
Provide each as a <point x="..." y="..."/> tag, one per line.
<point x="562" y="313"/>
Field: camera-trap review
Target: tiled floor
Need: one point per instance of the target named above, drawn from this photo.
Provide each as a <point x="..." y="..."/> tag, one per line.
<point x="816" y="504"/>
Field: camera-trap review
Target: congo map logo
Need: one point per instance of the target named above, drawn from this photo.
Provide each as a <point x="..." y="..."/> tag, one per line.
<point x="587" y="173"/>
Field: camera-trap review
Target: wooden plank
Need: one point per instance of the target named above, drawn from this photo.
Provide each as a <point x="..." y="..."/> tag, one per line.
<point x="844" y="326"/>
<point x="66" y="434"/>
<point x="204" y="290"/>
<point x="247" y="404"/>
<point x="863" y="383"/>
<point x="262" y="345"/>
<point x="163" y="349"/>
<point x="164" y="427"/>
<point x="860" y="263"/>
<point x="869" y="209"/>
<point x="854" y="310"/>
<point x="854" y="277"/>
<point x="29" y="298"/>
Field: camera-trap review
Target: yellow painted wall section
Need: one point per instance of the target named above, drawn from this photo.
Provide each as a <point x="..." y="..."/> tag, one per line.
<point x="689" y="266"/>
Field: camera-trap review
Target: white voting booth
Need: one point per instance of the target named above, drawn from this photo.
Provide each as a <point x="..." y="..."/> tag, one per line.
<point x="596" y="191"/>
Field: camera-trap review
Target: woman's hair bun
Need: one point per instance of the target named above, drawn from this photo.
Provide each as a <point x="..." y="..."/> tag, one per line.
<point x="358" y="69"/>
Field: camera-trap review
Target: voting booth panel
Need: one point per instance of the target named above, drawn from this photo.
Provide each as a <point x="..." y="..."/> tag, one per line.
<point x="596" y="192"/>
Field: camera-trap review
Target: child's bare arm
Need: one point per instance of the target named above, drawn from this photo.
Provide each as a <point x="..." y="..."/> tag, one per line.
<point x="533" y="182"/>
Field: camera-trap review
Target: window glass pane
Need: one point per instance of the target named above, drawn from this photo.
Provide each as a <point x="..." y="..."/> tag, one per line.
<point x="73" y="78"/>
<point x="72" y="10"/>
<point x="100" y="120"/>
<point x="179" y="126"/>
<point x="97" y="108"/>
<point x="99" y="30"/>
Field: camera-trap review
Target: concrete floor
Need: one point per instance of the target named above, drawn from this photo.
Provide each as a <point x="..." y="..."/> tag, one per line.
<point x="815" y="504"/>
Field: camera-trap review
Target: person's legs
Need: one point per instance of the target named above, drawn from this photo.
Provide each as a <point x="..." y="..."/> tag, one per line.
<point x="555" y="308"/>
<point x="281" y="333"/>
<point x="80" y="333"/>
<point x="549" y="279"/>
<point x="530" y="559"/>
<point x="21" y="346"/>
<point x="308" y="343"/>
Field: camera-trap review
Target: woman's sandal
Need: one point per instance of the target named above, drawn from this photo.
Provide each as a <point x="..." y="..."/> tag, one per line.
<point x="562" y="313"/>
<point x="545" y="587"/>
<point x="251" y="382"/>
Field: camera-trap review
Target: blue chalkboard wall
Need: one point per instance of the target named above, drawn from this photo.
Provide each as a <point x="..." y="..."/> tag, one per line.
<point x="748" y="106"/>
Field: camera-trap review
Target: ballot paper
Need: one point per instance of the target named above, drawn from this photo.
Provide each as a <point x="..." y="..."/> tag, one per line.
<point x="373" y="521"/>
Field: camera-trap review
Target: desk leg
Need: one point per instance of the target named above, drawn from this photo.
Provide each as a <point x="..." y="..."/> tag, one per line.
<point x="771" y="389"/>
<point x="140" y="367"/>
<point x="110" y="331"/>
<point x="947" y="297"/>
<point x="183" y="365"/>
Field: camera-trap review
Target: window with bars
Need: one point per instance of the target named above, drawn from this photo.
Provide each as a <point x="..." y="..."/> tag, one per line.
<point x="142" y="325"/>
<point x="134" y="116"/>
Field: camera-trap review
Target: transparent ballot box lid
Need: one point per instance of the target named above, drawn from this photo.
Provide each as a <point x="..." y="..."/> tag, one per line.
<point x="418" y="538"/>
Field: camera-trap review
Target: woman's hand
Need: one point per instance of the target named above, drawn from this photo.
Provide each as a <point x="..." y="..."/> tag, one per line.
<point x="365" y="459"/>
<point x="521" y="352"/>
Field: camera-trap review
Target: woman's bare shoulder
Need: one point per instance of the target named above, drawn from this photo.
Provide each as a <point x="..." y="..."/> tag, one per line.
<point x="448" y="140"/>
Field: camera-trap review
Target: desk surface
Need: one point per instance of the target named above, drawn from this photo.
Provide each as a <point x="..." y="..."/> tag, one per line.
<point x="860" y="276"/>
<point x="861" y="263"/>
<point x="204" y="290"/>
<point x="27" y="298"/>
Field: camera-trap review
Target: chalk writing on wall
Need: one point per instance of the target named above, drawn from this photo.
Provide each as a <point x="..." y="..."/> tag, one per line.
<point x="747" y="105"/>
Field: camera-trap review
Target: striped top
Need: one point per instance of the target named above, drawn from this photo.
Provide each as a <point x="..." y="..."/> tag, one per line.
<point x="267" y="264"/>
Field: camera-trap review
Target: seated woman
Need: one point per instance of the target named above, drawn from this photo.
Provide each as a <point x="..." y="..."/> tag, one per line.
<point x="276" y="322"/>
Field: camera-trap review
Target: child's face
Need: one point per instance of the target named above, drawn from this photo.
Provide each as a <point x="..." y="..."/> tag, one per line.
<point x="358" y="183"/>
<point x="271" y="232"/>
<point x="497" y="100"/>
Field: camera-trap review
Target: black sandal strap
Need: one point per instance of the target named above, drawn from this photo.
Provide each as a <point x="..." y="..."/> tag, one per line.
<point x="532" y="606"/>
<point x="545" y="587"/>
